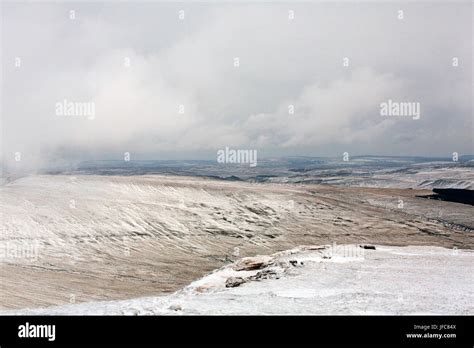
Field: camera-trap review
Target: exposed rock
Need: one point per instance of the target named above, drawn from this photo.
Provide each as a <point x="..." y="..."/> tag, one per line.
<point x="314" y="247"/>
<point x="294" y="263"/>
<point x="265" y="274"/>
<point x="371" y="247"/>
<point x="252" y="263"/>
<point x="176" y="307"/>
<point x="454" y="195"/>
<point x="233" y="282"/>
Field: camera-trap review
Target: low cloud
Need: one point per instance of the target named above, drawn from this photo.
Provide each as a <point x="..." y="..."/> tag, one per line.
<point x="181" y="95"/>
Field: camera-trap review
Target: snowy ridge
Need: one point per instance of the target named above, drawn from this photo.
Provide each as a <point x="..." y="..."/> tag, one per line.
<point x="337" y="279"/>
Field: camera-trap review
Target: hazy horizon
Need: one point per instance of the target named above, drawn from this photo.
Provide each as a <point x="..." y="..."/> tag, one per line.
<point x="181" y="81"/>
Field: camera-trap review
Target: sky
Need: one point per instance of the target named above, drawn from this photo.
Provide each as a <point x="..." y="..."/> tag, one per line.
<point x="165" y="87"/>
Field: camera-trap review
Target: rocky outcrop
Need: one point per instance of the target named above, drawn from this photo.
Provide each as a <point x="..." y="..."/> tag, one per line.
<point x="252" y="263"/>
<point x="232" y="282"/>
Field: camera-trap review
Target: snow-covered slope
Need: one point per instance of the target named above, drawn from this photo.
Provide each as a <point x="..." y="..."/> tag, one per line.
<point x="337" y="279"/>
<point x="85" y="238"/>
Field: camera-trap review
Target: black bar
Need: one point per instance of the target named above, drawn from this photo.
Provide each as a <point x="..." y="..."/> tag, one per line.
<point x="288" y="330"/>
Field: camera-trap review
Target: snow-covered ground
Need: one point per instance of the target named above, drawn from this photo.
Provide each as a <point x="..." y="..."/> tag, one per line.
<point x="336" y="279"/>
<point x="88" y="238"/>
<point x="382" y="172"/>
<point x="404" y="177"/>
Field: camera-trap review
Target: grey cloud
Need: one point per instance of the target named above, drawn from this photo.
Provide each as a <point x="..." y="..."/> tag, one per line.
<point x="189" y="62"/>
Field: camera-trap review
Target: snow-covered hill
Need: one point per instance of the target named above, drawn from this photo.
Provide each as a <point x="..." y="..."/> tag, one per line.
<point x="66" y="238"/>
<point x="338" y="279"/>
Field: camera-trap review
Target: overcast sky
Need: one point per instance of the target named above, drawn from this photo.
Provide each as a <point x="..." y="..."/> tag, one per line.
<point x="190" y="62"/>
